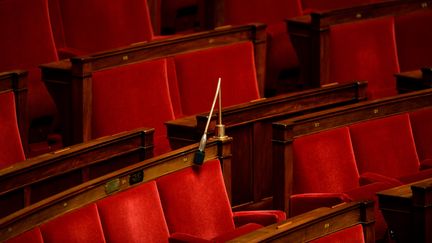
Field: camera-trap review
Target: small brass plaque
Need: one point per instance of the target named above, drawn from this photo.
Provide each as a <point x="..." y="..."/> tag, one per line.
<point x="112" y="186"/>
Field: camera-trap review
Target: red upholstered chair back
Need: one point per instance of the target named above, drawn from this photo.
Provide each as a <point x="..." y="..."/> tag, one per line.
<point x="195" y="201"/>
<point x="198" y="73"/>
<point x="324" y="162"/>
<point x="134" y="215"/>
<point x="324" y="5"/>
<point x="82" y="225"/>
<point x="414" y="38"/>
<point x="11" y="150"/>
<point x="94" y="25"/>
<point x="27" y="42"/>
<point x="132" y="96"/>
<point x="31" y="236"/>
<point x="421" y="121"/>
<point x="268" y="12"/>
<point x="365" y="50"/>
<point x="385" y="146"/>
<point x="353" y="234"/>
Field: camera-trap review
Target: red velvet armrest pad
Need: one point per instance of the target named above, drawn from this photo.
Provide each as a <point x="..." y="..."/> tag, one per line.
<point x="426" y="164"/>
<point x="183" y="237"/>
<point x="301" y="203"/>
<point x="262" y="217"/>
<point x="421" y="175"/>
<point x="371" y="177"/>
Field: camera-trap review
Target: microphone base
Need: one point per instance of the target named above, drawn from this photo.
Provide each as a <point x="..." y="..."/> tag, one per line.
<point x="199" y="157"/>
<point x="220" y="132"/>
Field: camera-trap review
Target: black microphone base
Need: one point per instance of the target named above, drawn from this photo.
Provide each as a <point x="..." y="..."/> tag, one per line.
<point x="199" y="157"/>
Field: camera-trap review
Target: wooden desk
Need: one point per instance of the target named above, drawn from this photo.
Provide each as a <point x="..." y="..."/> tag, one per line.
<point x="408" y="211"/>
<point x="414" y="80"/>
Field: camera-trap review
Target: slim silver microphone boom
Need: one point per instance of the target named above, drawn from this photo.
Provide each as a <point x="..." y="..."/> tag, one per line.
<point x="199" y="155"/>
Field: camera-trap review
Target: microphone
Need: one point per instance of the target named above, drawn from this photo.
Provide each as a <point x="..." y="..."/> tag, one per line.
<point x="200" y="153"/>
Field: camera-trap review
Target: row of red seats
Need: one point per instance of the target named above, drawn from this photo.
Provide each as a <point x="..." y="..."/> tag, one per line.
<point x="181" y="207"/>
<point x="356" y="161"/>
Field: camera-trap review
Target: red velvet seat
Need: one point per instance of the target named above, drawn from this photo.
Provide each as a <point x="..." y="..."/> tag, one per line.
<point x="325" y="174"/>
<point x="31" y="236"/>
<point x="196" y="206"/>
<point x="365" y="50"/>
<point x="386" y="146"/>
<point x="82" y="225"/>
<point x="26" y="42"/>
<point x="132" y="96"/>
<point x="422" y="132"/>
<point x="11" y="150"/>
<point x="199" y="71"/>
<point x="413" y="38"/>
<point x="134" y="216"/>
<point x="353" y="234"/>
<point x="92" y="25"/>
<point x="281" y="58"/>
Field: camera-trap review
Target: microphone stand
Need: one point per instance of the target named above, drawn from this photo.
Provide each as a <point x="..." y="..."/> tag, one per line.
<point x="220" y="128"/>
<point x="200" y="154"/>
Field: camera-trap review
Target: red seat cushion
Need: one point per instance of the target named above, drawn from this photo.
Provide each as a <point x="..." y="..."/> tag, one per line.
<point x="385" y="146"/>
<point x="134" y="215"/>
<point x="11" y="150"/>
<point x="326" y="153"/>
<point x="199" y="71"/>
<point x="195" y="201"/>
<point x="132" y="96"/>
<point x="82" y="225"/>
<point x="93" y="25"/>
<point x="365" y="50"/>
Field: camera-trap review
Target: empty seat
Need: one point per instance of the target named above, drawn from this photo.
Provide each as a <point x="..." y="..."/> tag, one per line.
<point x="196" y="205"/>
<point x="31" y="236"/>
<point x="282" y="63"/>
<point x="365" y="50"/>
<point x="132" y="96"/>
<point x="134" y="215"/>
<point x="413" y="39"/>
<point x="198" y="73"/>
<point x="386" y="146"/>
<point x="82" y="225"/>
<point x="27" y="42"/>
<point x="11" y="150"/>
<point x="92" y="25"/>
<point x="325" y="174"/>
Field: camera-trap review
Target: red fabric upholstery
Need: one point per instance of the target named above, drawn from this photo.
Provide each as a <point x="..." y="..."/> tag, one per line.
<point x="353" y="234"/>
<point x="195" y="201"/>
<point x="370" y="177"/>
<point x="422" y="131"/>
<point x="301" y="203"/>
<point x="326" y="153"/>
<point x="413" y="38"/>
<point x="237" y="232"/>
<point x="31" y="236"/>
<point x="280" y="53"/>
<point x="134" y="215"/>
<point x="198" y="73"/>
<point x="93" y="25"/>
<point x="365" y="50"/>
<point x="385" y="146"/>
<point x="262" y="217"/>
<point x="11" y="150"/>
<point x="82" y="225"/>
<point x="132" y="96"/>
<point x="417" y="176"/>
